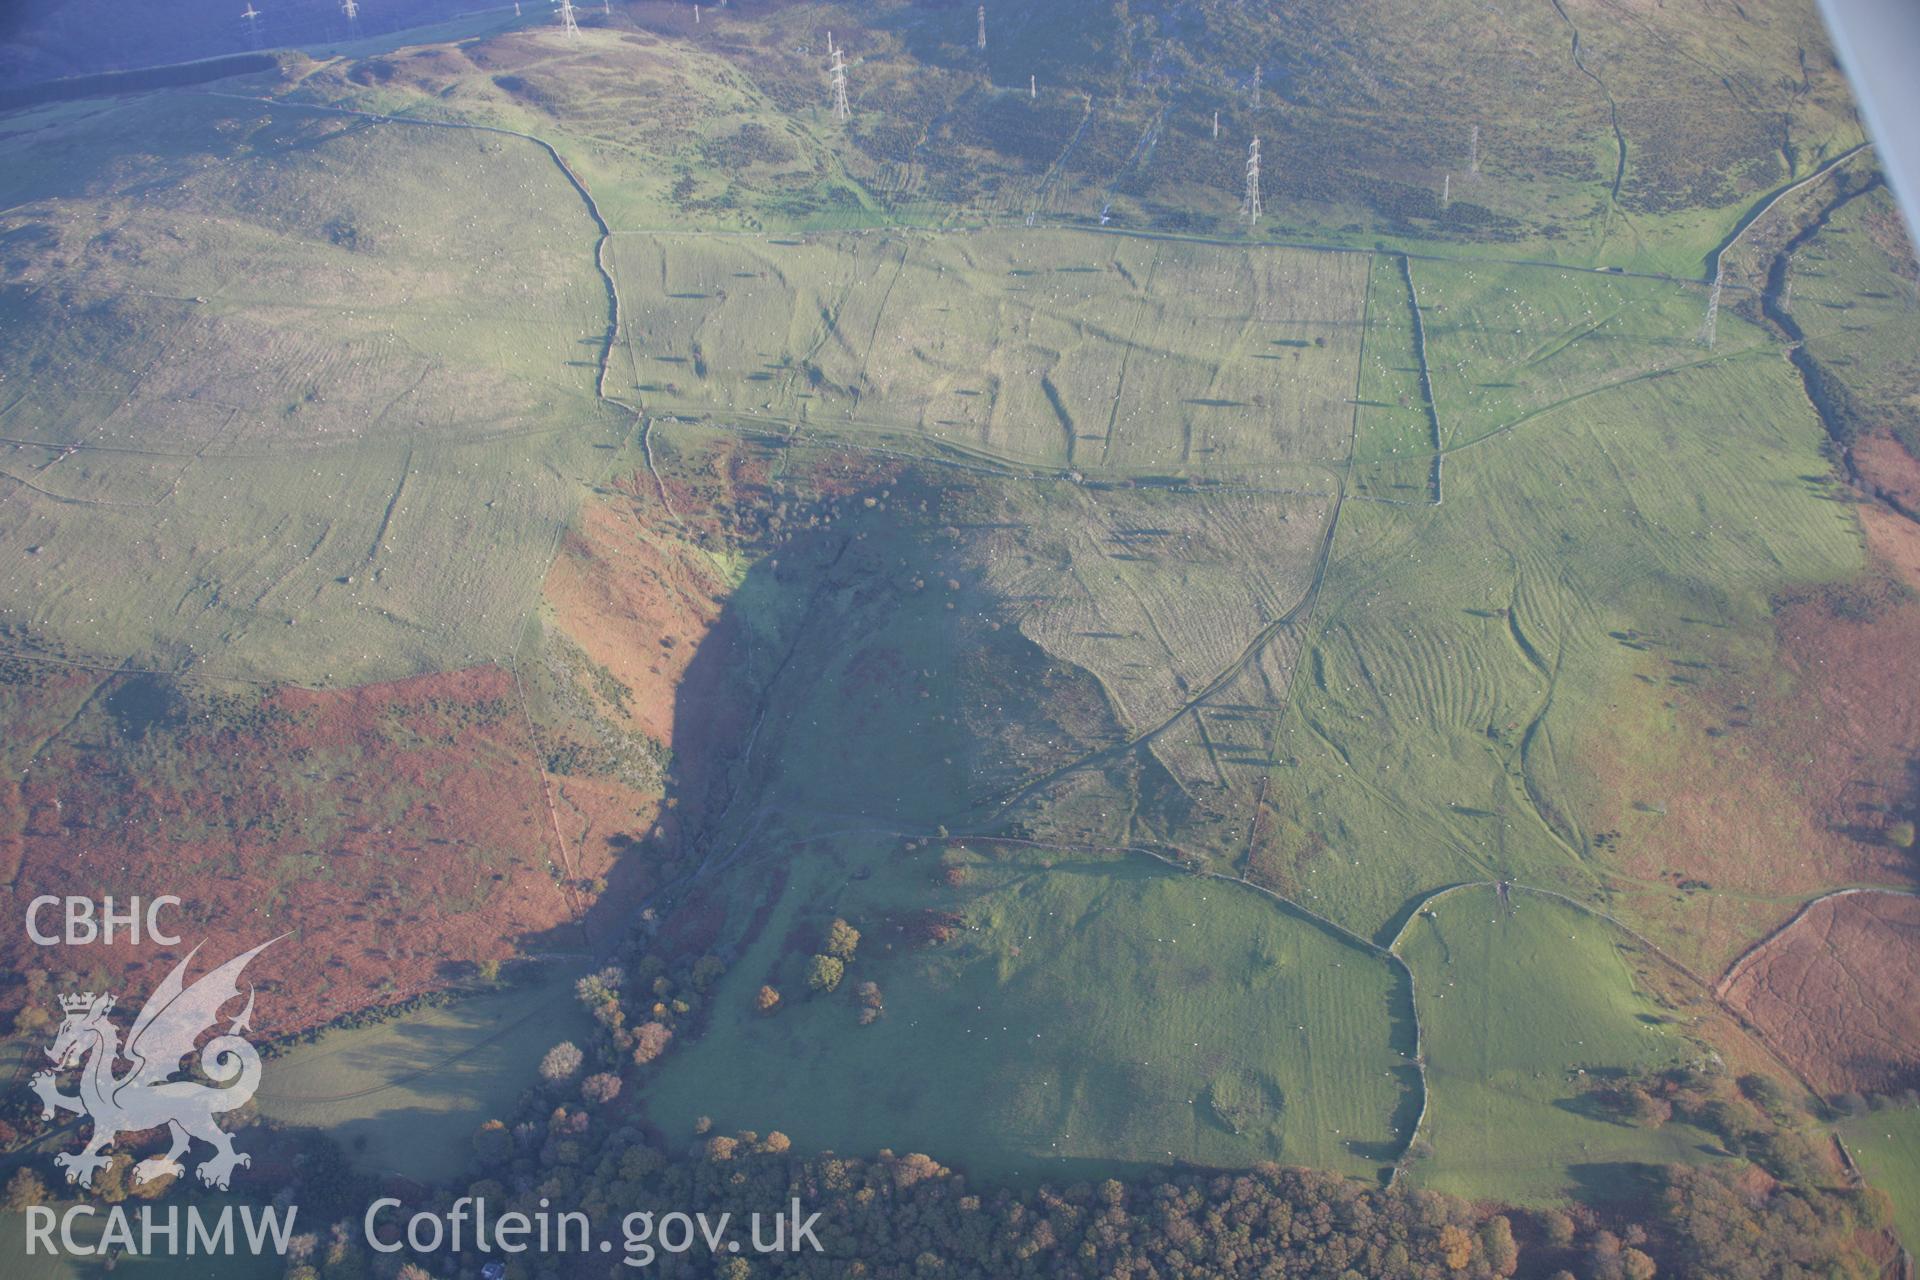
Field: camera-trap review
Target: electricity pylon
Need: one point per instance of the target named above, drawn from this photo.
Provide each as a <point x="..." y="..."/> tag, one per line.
<point x="1708" y="325"/>
<point x="1250" y="206"/>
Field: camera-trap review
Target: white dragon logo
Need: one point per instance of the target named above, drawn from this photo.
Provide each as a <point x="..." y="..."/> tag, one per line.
<point x="146" y="1097"/>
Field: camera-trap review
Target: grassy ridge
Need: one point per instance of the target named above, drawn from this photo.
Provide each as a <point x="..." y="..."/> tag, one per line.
<point x="1626" y="156"/>
<point x="258" y="413"/>
<point x="709" y="142"/>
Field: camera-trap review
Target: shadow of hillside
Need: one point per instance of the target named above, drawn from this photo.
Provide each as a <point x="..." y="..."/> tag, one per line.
<point x="864" y="678"/>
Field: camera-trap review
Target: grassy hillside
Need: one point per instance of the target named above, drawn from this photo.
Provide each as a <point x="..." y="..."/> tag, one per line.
<point x="1108" y="356"/>
<point x="1850" y="289"/>
<point x="1602" y="139"/>
<point x="257" y="413"/>
<point x="1506" y="343"/>
<point x="664" y="131"/>
<point x="1466" y="650"/>
<point x="1084" y="1015"/>
<point x="1524" y="1006"/>
<point x="1886" y="1146"/>
<point x="956" y="521"/>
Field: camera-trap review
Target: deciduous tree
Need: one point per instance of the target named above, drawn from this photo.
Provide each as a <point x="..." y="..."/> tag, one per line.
<point x="824" y="972"/>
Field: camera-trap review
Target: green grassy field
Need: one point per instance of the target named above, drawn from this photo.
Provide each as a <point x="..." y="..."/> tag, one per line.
<point x="1520" y="1009"/>
<point x="1392" y="422"/>
<point x="1107" y="355"/>
<point x="1086" y="1015"/>
<point x="1886" y="1146"/>
<point x="1507" y="343"/>
<point x="405" y="1096"/>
